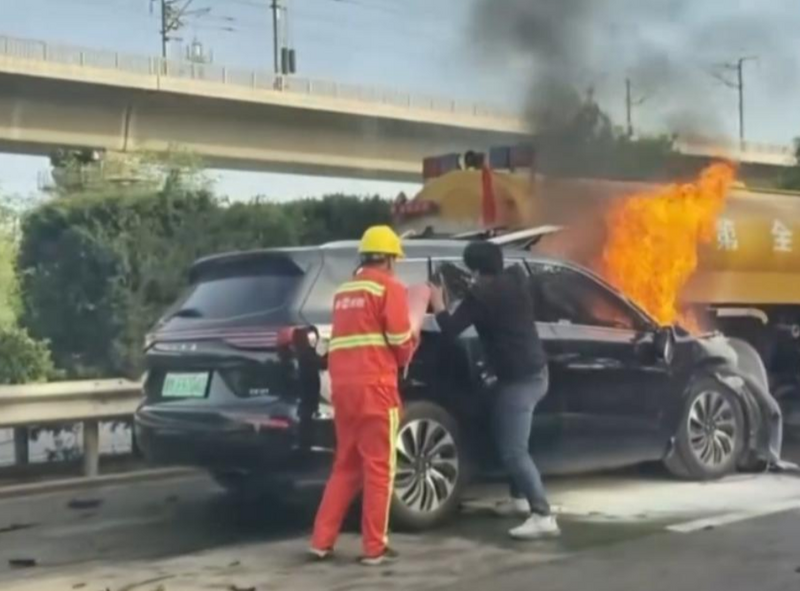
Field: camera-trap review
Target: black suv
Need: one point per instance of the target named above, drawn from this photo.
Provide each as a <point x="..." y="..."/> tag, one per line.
<point x="236" y="381"/>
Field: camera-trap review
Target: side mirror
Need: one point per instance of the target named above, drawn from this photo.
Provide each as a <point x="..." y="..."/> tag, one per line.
<point x="664" y="344"/>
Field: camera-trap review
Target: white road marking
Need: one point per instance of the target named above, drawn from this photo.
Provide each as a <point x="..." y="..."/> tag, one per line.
<point x="729" y="518"/>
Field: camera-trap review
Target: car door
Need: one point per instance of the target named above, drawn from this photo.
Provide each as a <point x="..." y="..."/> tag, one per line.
<point x="604" y="367"/>
<point x="476" y="375"/>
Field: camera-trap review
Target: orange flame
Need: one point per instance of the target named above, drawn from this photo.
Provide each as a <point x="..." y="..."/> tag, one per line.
<point x="652" y="240"/>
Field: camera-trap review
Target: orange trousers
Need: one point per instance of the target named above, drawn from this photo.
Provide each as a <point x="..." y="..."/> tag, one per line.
<point x="365" y="460"/>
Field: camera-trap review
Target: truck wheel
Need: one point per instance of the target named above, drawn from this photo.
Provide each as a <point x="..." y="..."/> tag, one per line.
<point x="431" y="470"/>
<point x="710" y="439"/>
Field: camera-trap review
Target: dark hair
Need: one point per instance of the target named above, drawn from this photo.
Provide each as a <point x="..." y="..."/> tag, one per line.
<point x="484" y="257"/>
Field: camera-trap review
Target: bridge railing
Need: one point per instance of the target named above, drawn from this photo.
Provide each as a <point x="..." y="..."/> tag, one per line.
<point x="29" y="49"/>
<point x="86" y="402"/>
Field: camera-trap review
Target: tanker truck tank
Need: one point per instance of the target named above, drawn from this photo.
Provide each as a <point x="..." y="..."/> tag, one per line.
<point x="747" y="282"/>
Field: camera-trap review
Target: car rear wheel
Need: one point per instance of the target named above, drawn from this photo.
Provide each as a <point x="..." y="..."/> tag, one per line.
<point x="430" y="470"/>
<point x="710" y="440"/>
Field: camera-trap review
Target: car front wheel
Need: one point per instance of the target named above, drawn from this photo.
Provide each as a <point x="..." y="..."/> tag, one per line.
<point x="430" y="468"/>
<point x="711" y="437"/>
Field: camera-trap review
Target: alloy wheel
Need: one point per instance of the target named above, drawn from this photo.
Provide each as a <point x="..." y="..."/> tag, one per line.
<point x="712" y="428"/>
<point x="427" y="465"/>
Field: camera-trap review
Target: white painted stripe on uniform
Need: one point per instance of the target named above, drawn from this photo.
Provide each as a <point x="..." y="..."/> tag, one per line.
<point x="730" y="518"/>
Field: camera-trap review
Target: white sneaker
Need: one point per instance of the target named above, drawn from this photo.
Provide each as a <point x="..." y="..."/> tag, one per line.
<point x="513" y="508"/>
<point x="536" y="527"/>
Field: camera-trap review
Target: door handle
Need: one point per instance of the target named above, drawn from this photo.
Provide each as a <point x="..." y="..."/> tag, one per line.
<point x="586" y="366"/>
<point x="594" y="364"/>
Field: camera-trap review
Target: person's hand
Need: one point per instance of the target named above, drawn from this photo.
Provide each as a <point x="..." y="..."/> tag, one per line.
<point x="437" y="298"/>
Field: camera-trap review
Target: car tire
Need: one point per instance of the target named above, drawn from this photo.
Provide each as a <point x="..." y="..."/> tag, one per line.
<point x="710" y="441"/>
<point x="431" y="468"/>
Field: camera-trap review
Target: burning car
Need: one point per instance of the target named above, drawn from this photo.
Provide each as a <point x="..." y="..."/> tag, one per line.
<point x="233" y="382"/>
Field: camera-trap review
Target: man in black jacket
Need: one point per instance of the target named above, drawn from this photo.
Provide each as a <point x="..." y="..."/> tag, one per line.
<point x="500" y="306"/>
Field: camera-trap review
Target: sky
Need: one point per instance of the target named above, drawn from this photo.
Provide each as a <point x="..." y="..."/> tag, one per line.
<point x="424" y="46"/>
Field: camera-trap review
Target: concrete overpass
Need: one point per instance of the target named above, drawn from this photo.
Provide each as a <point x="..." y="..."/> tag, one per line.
<point x="58" y="96"/>
<point x="53" y="96"/>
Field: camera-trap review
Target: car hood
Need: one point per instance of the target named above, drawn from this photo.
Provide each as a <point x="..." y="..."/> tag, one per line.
<point x="738" y="365"/>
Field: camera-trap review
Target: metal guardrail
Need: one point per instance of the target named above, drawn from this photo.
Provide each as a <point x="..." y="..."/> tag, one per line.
<point x="86" y="402"/>
<point x="81" y="57"/>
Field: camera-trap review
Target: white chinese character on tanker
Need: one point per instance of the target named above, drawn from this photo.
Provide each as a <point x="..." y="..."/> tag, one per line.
<point x="726" y="235"/>
<point x="782" y="237"/>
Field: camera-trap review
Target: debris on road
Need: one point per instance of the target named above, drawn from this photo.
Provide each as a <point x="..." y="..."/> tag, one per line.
<point x="82" y="504"/>
<point x="146" y="582"/>
<point x="22" y="562"/>
<point x="237" y="588"/>
<point x="16" y="527"/>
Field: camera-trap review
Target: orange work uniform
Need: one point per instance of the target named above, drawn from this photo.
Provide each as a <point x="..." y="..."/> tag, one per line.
<point x="371" y="339"/>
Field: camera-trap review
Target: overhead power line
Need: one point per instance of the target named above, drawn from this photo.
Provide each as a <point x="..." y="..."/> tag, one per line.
<point x="722" y="73"/>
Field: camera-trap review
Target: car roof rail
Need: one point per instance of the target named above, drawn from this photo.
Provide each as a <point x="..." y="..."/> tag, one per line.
<point x="520" y="239"/>
<point x="524" y="239"/>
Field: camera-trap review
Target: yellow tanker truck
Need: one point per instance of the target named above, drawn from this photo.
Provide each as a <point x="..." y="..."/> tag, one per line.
<point x="747" y="283"/>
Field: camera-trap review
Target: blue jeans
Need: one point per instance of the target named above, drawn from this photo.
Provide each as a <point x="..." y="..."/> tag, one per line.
<point x="512" y="418"/>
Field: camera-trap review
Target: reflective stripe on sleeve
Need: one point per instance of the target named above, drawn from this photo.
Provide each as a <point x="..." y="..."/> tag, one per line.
<point x="369" y="286"/>
<point x="399" y="338"/>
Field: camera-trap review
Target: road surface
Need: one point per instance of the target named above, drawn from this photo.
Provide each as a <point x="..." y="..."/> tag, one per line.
<point x="623" y="530"/>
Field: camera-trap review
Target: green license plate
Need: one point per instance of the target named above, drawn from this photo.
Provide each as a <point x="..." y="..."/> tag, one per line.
<point x="185" y="385"/>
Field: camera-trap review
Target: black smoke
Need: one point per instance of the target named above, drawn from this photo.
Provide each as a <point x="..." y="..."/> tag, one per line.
<point x="674" y="51"/>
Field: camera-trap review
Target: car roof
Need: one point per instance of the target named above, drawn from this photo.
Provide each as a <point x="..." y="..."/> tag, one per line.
<point x="414" y="249"/>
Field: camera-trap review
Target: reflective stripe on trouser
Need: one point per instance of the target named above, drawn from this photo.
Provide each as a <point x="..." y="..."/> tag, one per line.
<point x="365" y="458"/>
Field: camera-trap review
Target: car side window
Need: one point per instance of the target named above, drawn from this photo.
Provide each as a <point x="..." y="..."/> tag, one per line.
<point x="456" y="280"/>
<point x="564" y="296"/>
<point x="412" y="271"/>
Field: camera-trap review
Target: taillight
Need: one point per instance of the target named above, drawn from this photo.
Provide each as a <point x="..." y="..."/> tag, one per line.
<point x="286" y="336"/>
<point x="298" y="337"/>
<point x="258" y="423"/>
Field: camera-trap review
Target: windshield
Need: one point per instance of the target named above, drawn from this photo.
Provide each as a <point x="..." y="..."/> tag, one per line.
<point x="229" y="291"/>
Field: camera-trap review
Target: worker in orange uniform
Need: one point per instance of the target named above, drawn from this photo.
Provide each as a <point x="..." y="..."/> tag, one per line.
<point x="371" y="339"/>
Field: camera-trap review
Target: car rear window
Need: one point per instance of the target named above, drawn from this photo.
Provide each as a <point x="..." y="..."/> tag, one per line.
<point x="241" y="288"/>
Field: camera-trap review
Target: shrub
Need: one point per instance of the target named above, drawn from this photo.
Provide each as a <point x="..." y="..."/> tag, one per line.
<point x="22" y="359"/>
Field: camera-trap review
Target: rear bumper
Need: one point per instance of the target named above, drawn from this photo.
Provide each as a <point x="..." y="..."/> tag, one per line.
<point x="279" y="454"/>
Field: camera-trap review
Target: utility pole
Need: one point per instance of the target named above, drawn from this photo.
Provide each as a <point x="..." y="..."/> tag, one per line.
<point x="630" y="102"/>
<point x="164" y="28"/>
<point x="284" y="56"/>
<point x="276" y="42"/>
<point x="173" y="13"/>
<point x="628" y="106"/>
<point x="738" y="85"/>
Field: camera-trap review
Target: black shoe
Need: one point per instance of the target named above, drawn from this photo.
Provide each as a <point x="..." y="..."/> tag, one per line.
<point x="387" y="557"/>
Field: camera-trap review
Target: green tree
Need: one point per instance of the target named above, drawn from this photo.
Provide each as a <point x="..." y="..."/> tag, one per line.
<point x="102" y="261"/>
<point x="22" y="359"/>
<point x="338" y="217"/>
<point x="582" y="141"/>
<point x="80" y="173"/>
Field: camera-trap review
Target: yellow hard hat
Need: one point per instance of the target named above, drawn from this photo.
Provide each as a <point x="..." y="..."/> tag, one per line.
<point x="381" y="240"/>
